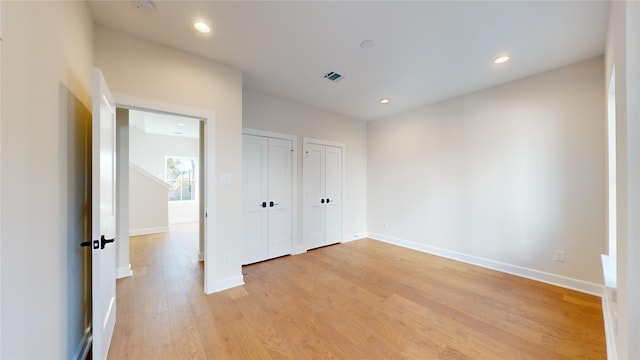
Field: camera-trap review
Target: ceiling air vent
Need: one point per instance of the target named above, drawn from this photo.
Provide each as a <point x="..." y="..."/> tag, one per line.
<point x="333" y="76"/>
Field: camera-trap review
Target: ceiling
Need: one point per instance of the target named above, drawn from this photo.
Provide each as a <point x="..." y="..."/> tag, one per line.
<point x="422" y="52"/>
<point x="164" y="124"/>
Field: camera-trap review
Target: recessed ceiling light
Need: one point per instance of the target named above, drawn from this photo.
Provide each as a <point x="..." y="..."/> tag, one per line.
<point x="202" y="27"/>
<point x="384" y="101"/>
<point x="501" y="59"/>
<point x="180" y="124"/>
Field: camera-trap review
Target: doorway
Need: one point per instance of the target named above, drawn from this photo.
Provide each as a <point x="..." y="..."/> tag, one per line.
<point x="179" y="171"/>
<point x="164" y="154"/>
<point x="164" y="176"/>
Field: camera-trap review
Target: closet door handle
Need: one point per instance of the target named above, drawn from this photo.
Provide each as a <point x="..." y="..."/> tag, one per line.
<point x="264" y="204"/>
<point x="321" y="201"/>
<point x="272" y="204"/>
<point x="328" y="201"/>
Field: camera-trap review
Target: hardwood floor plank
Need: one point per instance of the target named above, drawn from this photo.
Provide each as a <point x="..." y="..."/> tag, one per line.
<point x="187" y="344"/>
<point x="359" y="300"/>
<point x="244" y="342"/>
<point x="262" y="321"/>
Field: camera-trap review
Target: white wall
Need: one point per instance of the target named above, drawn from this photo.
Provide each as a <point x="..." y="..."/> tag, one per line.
<point x="144" y="70"/>
<point x="148" y="205"/>
<point x="269" y="113"/>
<point x="623" y="51"/>
<point x="46" y="102"/>
<point x="503" y="176"/>
<point x="184" y="212"/>
<point x="148" y="151"/>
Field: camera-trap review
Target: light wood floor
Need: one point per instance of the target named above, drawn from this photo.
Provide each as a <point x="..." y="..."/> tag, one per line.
<point x="359" y="300"/>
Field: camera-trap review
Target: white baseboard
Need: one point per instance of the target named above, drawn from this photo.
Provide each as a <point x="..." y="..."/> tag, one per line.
<point x="356" y="236"/>
<point x="229" y="283"/>
<point x="200" y="256"/>
<point x="123" y="272"/>
<point x="85" y="345"/>
<point x="553" y="279"/>
<point x="147" y="231"/>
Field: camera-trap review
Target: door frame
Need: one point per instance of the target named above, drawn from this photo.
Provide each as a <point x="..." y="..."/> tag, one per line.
<point x="305" y="142"/>
<point x="208" y="216"/>
<point x="297" y="247"/>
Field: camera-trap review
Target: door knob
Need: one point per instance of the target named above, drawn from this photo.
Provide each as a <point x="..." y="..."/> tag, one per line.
<point x="104" y="241"/>
<point x="264" y="204"/>
<point x="95" y="243"/>
<point x="272" y="204"/>
<point x="98" y="243"/>
<point x="328" y="201"/>
<point x="321" y="201"/>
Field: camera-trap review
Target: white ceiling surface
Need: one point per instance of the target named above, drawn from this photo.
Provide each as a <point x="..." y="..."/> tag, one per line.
<point x="165" y="124"/>
<point x="423" y="52"/>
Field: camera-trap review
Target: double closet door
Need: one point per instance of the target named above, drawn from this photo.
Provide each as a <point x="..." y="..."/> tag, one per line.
<point x="267" y="228"/>
<point x="322" y="176"/>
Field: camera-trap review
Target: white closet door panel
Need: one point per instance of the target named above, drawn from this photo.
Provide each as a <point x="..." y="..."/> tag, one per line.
<point x="256" y="245"/>
<point x="333" y="192"/>
<point x="255" y="227"/>
<point x="280" y="194"/>
<point x="314" y="227"/>
<point x="314" y="196"/>
<point x="279" y="233"/>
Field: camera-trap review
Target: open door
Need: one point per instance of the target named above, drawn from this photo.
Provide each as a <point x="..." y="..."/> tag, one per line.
<point x="103" y="219"/>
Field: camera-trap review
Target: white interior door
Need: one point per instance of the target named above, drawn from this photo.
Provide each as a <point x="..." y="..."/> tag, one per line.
<point x="255" y="168"/>
<point x="314" y="196"/>
<point x="103" y="219"/>
<point x="323" y="194"/>
<point x="268" y="197"/>
<point x="333" y="195"/>
<point x="279" y="197"/>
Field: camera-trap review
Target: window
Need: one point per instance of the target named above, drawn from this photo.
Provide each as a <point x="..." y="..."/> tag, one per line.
<point x="181" y="175"/>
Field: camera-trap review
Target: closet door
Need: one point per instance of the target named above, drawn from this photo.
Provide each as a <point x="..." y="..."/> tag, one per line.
<point x="333" y="194"/>
<point x="322" y="177"/>
<point x="268" y="197"/>
<point x="314" y="196"/>
<point x="279" y="197"/>
<point x="255" y="176"/>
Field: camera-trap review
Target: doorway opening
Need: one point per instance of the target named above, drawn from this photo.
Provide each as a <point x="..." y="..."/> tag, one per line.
<point x="164" y="179"/>
<point x="161" y="189"/>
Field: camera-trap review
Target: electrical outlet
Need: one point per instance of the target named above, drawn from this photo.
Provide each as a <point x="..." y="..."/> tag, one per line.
<point x="227" y="258"/>
<point x="558" y="255"/>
